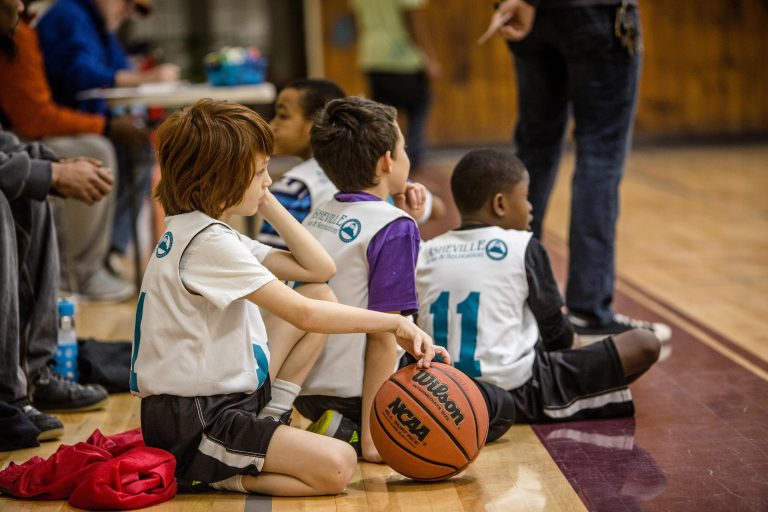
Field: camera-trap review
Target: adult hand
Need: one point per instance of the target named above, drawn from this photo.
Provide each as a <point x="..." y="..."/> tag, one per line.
<point x="161" y="73"/>
<point x="81" y="178"/>
<point x="127" y="130"/>
<point x="519" y="17"/>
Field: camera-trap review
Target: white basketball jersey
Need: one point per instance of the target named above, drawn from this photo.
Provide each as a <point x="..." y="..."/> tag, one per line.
<point x="345" y="230"/>
<point x="311" y="174"/>
<point x="472" y="290"/>
<point x="184" y="345"/>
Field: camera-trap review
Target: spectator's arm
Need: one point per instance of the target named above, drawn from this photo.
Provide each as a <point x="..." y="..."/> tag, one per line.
<point x="71" y="60"/>
<point x="21" y="175"/>
<point x="25" y="97"/>
<point x="416" y="23"/>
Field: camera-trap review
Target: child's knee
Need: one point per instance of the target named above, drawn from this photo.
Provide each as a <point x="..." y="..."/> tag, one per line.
<point x="649" y="346"/>
<point x="339" y="469"/>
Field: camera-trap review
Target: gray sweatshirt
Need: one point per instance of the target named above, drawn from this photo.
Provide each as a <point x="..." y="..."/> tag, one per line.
<point x="25" y="169"/>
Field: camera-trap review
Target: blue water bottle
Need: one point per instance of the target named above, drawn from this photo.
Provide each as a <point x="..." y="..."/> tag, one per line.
<point x="65" y="358"/>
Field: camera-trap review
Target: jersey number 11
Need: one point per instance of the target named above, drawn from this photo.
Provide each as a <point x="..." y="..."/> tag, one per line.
<point x="468" y="309"/>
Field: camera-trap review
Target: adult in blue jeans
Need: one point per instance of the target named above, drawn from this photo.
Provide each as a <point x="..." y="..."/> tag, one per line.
<point x="81" y="50"/>
<point x="579" y="57"/>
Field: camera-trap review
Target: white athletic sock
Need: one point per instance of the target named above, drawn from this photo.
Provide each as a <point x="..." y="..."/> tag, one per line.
<point x="233" y="484"/>
<point x="283" y="395"/>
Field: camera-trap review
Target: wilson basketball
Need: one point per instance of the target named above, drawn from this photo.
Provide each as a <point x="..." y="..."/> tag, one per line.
<point x="429" y="423"/>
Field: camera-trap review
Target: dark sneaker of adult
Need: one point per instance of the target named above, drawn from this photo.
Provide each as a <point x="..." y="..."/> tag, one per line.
<point x="591" y="331"/>
<point x="50" y="426"/>
<point x="52" y="392"/>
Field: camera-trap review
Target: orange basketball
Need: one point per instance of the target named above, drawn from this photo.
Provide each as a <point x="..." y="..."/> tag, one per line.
<point x="429" y="423"/>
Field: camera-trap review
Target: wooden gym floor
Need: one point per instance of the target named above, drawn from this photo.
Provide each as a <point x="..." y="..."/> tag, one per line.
<point x="693" y="246"/>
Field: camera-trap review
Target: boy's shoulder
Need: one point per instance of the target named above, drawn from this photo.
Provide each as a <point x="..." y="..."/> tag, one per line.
<point x="483" y="233"/>
<point x="309" y="176"/>
<point x="480" y="245"/>
<point x="352" y="218"/>
<point x="308" y="167"/>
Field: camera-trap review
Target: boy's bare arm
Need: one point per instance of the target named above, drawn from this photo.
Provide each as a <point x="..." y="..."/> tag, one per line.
<point x="330" y="317"/>
<point x="380" y="361"/>
<point x="307" y="260"/>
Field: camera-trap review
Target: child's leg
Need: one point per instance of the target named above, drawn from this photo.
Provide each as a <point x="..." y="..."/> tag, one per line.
<point x="300" y="463"/>
<point x="380" y="361"/>
<point x="638" y="350"/>
<point x="293" y="352"/>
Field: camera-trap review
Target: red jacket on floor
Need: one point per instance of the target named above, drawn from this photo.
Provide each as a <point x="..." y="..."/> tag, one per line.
<point x="104" y="472"/>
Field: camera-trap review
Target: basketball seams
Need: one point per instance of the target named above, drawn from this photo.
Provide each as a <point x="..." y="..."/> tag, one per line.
<point x="456" y="442"/>
<point x="469" y="401"/>
<point x="408" y="450"/>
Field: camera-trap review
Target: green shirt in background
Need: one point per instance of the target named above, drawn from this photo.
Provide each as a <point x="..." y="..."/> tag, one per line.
<point x="385" y="44"/>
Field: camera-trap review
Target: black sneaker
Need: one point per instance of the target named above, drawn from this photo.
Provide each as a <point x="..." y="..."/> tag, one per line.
<point x="334" y="424"/>
<point x="52" y="392"/>
<point x="589" y="331"/>
<point x="50" y="427"/>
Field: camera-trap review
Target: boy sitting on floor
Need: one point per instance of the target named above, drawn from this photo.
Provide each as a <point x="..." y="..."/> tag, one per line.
<point x="487" y="293"/>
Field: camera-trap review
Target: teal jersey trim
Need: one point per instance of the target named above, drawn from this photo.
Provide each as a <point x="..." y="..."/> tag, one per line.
<point x="134" y="385"/>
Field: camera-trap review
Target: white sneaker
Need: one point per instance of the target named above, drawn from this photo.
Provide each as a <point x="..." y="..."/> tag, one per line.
<point x="588" y="331"/>
<point x="117" y="265"/>
<point x="102" y="286"/>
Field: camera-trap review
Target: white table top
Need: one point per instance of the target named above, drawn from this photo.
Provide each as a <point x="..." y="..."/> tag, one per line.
<point x="180" y="94"/>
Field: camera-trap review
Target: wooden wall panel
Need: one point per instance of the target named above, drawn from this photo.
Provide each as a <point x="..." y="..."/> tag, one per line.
<point x="705" y="70"/>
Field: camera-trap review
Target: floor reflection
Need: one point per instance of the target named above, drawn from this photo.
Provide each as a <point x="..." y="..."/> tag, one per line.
<point x="603" y="464"/>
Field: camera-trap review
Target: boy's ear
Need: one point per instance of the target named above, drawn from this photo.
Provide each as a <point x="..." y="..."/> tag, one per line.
<point x="384" y="164"/>
<point x="498" y="204"/>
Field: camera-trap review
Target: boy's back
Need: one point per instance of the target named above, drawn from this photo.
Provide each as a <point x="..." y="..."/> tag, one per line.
<point x="473" y="291"/>
<point x="347" y="230"/>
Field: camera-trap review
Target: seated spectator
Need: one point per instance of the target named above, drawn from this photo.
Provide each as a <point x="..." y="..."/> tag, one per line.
<point x="29" y="273"/>
<point x="28" y="109"/>
<point x="81" y="51"/>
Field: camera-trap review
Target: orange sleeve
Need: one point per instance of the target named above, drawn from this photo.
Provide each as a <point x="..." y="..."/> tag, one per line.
<point x="25" y="97"/>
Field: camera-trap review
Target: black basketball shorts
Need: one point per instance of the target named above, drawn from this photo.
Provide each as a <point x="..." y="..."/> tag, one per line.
<point x="567" y="385"/>
<point x="212" y="437"/>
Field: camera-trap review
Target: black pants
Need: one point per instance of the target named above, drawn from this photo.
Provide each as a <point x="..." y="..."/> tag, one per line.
<point x="410" y="93"/>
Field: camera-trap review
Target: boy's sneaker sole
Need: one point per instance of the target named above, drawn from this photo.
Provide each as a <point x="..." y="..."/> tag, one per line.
<point x="327" y="424"/>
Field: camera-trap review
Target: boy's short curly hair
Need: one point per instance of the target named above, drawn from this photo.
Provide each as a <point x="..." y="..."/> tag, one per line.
<point x="348" y="138"/>
<point x="206" y="154"/>
<point x="483" y="173"/>
<point x="315" y="93"/>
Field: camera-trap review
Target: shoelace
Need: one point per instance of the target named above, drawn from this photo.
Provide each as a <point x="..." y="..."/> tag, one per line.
<point x="637" y="324"/>
<point x="29" y="409"/>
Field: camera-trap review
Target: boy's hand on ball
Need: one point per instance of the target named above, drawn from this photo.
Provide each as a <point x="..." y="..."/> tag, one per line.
<point x="419" y="344"/>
